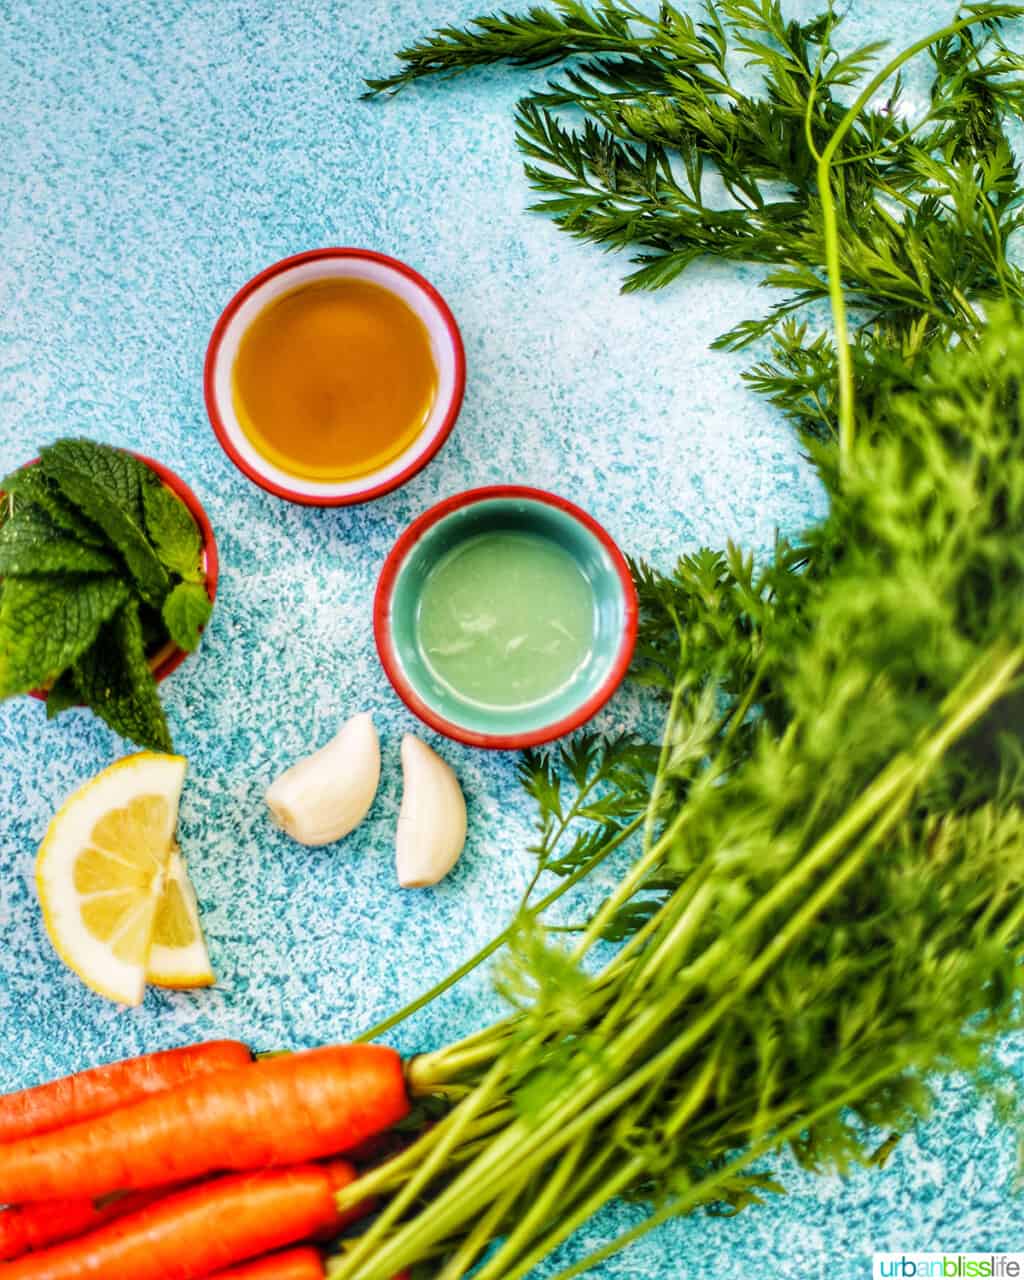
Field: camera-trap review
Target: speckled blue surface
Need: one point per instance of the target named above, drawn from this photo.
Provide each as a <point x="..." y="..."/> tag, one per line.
<point x="154" y="156"/>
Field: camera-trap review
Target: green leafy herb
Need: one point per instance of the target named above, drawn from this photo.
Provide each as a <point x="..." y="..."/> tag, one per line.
<point x="46" y="623"/>
<point x="115" y="679"/>
<point x="173" y="532"/>
<point x="31" y="543"/>
<point x="927" y="205"/>
<point x="104" y="483"/>
<point x="30" y="484"/>
<point x="827" y="902"/>
<point x="63" y="695"/>
<point x="100" y="565"/>
<point x="154" y="629"/>
<point x="826" y="899"/>
<point x="186" y="612"/>
<point x="121" y="476"/>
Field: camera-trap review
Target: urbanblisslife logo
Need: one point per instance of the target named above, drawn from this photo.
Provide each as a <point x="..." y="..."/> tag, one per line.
<point x="948" y="1266"/>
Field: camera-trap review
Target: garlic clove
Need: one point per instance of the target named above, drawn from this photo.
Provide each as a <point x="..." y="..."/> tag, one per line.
<point x="432" y="820"/>
<point x="327" y="794"/>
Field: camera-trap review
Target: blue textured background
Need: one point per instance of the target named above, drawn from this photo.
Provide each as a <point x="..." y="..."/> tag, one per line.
<point x="153" y="158"/>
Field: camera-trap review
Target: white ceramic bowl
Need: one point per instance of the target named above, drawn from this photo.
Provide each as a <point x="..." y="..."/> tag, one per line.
<point x="304" y="268"/>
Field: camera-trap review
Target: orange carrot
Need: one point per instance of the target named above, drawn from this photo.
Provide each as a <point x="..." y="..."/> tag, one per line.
<point x="103" y="1089"/>
<point x="357" y="1212"/>
<point x="341" y="1173"/>
<point x="28" y="1227"/>
<point x="204" y="1229"/>
<point x="281" y="1111"/>
<point x="294" y="1264"/>
<point x="24" y="1228"/>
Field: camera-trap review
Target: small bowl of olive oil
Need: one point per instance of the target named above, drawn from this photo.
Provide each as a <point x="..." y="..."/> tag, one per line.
<point x="334" y="376"/>
<point x="505" y="617"/>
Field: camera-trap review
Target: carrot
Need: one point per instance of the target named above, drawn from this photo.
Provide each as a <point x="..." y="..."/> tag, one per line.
<point x="341" y="1173"/>
<point x="294" y="1264"/>
<point x="28" y="1227"/>
<point x="33" y="1226"/>
<point x="197" y="1231"/>
<point x="24" y="1228"/>
<point x="103" y="1089"/>
<point x="281" y="1111"/>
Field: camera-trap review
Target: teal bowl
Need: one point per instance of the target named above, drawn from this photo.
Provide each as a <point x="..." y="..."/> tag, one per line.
<point x="504" y="508"/>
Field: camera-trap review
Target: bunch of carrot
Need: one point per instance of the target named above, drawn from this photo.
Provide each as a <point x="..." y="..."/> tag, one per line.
<point x="182" y="1165"/>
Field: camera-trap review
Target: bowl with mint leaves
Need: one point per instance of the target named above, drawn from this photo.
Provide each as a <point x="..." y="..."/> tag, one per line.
<point x="108" y="571"/>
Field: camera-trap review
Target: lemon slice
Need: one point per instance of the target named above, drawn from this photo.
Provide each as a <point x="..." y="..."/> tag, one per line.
<point x="178" y="955"/>
<point x="102" y="869"/>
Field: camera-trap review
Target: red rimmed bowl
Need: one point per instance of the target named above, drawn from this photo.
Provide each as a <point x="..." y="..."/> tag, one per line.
<point x="429" y="541"/>
<point x="308" y="268"/>
<point x="170" y="657"/>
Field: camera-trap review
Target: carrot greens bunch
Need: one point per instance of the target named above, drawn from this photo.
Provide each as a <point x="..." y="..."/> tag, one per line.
<point x="675" y="151"/>
<point x="826" y="897"/>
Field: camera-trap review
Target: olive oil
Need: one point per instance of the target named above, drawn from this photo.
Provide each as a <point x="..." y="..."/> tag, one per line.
<point x="506" y="619"/>
<point x="334" y="380"/>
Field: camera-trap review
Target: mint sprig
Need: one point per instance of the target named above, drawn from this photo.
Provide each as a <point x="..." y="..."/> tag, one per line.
<point x="104" y="484"/>
<point x="100" y="565"/>
<point x="115" y="679"/>
<point x="174" y="534"/>
<point x="63" y="695"/>
<point x="30" y="543"/>
<point x="31" y="484"/>
<point x="47" y="623"/>
<point x="186" y="612"/>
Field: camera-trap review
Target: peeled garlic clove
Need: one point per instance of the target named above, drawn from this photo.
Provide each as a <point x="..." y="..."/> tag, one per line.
<point x="432" y="820"/>
<point x="324" y="796"/>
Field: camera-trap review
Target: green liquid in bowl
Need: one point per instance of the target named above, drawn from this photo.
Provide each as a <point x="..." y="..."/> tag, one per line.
<point x="506" y="619"/>
<point x="508" y="615"/>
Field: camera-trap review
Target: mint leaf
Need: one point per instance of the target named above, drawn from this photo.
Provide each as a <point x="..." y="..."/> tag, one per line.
<point x="173" y="532"/>
<point x="154" y="629"/>
<point x="186" y="611"/>
<point x="114" y="678"/>
<point x="31" y="484"/>
<point x="107" y="485"/>
<point x="114" y="470"/>
<point x="31" y="543"/>
<point x="62" y="696"/>
<point x="47" y="623"/>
